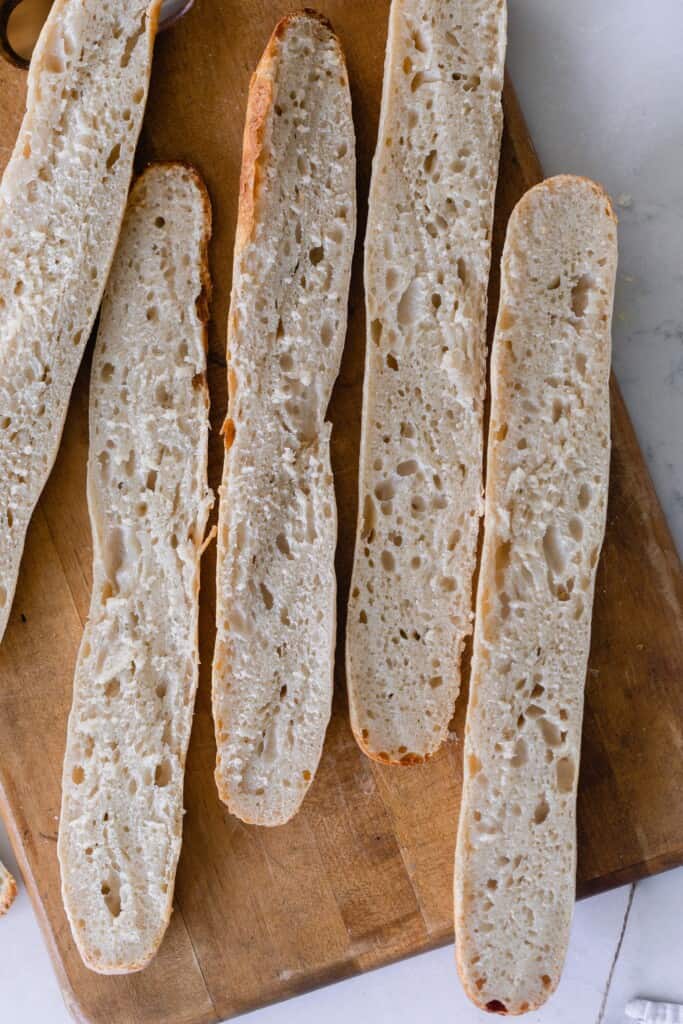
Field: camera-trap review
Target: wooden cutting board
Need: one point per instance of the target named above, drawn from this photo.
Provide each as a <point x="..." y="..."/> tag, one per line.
<point x="363" y="875"/>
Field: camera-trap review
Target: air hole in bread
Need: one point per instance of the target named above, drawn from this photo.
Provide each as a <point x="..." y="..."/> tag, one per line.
<point x="388" y="561"/>
<point x="502" y="560"/>
<point x="417" y="505"/>
<point x="326" y="333"/>
<point x="558" y="409"/>
<point x="581" y="295"/>
<point x="316" y="255"/>
<point x="566" y="771"/>
<point x="585" y="496"/>
<point x="392" y="361"/>
<point x="391" y="279"/>
<point x="111" y="890"/>
<point x="553" y="550"/>
<point x="430" y="161"/>
<point x="575" y="527"/>
<point x="114" y="154"/>
<point x="541" y="811"/>
<point x="162" y="774"/>
<point x="78" y="774"/>
<point x="554" y="284"/>
<point x="410" y="303"/>
<point x="385" y="490"/>
<point x="520" y="755"/>
<point x="282" y="545"/>
<point x="407" y="467"/>
<point x="151" y="480"/>
<point x="266" y="596"/>
<point x="112" y="688"/>
<point x="368" y="522"/>
<point x="53" y="61"/>
<point x="423" y="78"/>
<point x="550" y="732"/>
<point x="454" y="540"/>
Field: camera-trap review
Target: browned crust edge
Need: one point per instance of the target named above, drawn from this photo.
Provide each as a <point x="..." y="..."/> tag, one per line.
<point x="407" y="760"/>
<point x="259" y="104"/>
<point x="495" y="1006"/>
<point x="561" y="181"/>
<point x="8" y="891"/>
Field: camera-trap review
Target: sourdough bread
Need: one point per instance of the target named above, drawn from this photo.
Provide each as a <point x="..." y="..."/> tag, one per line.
<point x="427" y="257"/>
<point x="136" y="675"/>
<point x="273" y="662"/>
<point x="62" y="198"/>
<point x="546" y="495"/>
<point x="8" y="889"/>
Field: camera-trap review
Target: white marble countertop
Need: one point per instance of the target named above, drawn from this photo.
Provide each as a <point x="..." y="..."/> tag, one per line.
<point x="601" y="86"/>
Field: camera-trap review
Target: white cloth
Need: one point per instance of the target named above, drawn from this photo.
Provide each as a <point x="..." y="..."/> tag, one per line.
<point x="643" y="1011"/>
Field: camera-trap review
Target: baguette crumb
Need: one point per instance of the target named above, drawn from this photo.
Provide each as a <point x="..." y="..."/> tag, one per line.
<point x="546" y="499"/>
<point x="276" y="587"/>
<point x="62" y="199"/>
<point x="427" y="258"/>
<point x="136" y="675"/>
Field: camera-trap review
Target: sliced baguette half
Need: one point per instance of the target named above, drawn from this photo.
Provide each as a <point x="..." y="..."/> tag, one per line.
<point x="122" y="789"/>
<point x="62" y="198"/>
<point x="427" y="258"/>
<point x="8" y="889"/>
<point x="276" y="588"/>
<point x="546" y="496"/>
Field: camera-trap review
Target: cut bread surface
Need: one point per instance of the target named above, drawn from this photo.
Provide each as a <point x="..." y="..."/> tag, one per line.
<point x="427" y="258"/>
<point x="62" y="198"/>
<point x="136" y="675"/>
<point x="276" y="589"/>
<point x="546" y="497"/>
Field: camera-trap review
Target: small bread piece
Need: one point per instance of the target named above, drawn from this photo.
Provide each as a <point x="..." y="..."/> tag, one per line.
<point x="62" y="199"/>
<point x="427" y="258"/>
<point x="122" y="789"/>
<point x="276" y="587"/>
<point x="546" y="496"/>
<point x="8" y="889"/>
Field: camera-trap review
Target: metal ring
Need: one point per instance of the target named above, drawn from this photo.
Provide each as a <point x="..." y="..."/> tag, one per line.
<point x="6" y="49"/>
<point x="174" y="11"/>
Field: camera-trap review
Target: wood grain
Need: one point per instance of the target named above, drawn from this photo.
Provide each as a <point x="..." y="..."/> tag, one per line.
<point x="363" y="875"/>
